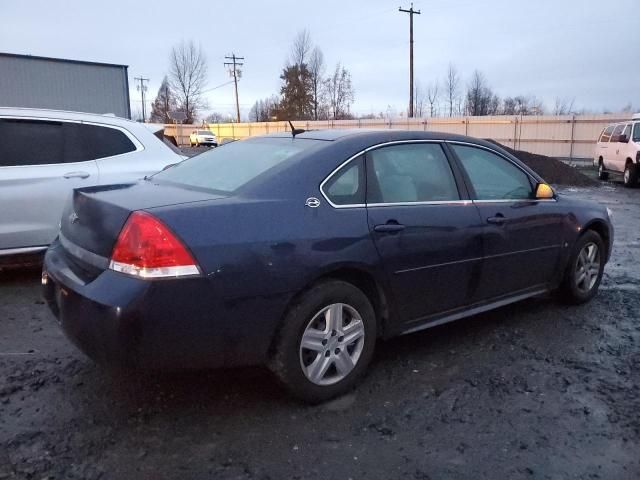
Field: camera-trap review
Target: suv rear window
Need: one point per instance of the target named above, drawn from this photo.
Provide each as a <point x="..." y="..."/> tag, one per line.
<point x="227" y="168"/>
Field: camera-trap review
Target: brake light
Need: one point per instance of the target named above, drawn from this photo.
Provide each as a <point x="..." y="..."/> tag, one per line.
<point x="147" y="248"/>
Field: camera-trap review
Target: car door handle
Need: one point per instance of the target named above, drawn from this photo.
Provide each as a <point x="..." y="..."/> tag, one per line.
<point x="77" y="175"/>
<point x="497" y="220"/>
<point x="389" y="228"/>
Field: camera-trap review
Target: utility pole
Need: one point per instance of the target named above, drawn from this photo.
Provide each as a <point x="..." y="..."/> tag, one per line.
<point x="235" y="73"/>
<point x="142" y="88"/>
<point x="411" y="13"/>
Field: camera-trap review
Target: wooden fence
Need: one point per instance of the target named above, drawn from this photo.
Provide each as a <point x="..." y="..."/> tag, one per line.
<point x="566" y="136"/>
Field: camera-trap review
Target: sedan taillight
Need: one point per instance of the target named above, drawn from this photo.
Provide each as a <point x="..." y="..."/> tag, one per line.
<point x="147" y="248"/>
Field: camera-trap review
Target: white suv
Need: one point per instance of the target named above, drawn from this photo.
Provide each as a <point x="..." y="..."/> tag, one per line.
<point x="202" y="137"/>
<point x="618" y="151"/>
<point x="45" y="154"/>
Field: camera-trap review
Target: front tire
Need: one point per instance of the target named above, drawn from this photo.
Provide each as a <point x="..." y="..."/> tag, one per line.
<point x="630" y="176"/>
<point x="326" y="341"/>
<point x="584" y="272"/>
<point x="602" y="173"/>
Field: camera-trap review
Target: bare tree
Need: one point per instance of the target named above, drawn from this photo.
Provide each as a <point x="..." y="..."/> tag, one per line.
<point x="419" y="100"/>
<point x="563" y="106"/>
<point x="316" y="72"/>
<point x="340" y="92"/>
<point x="480" y="99"/>
<point x="188" y="76"/>
<point x="301" y="48"/>
<point x="452" y="87"/>
<point x="215" y="117"/>
<point x="432" y="97"/>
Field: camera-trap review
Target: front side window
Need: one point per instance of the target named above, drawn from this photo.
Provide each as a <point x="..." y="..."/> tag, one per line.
<point x="409" y="173"/>
<point x="227" y="169"/>
<point x="616" y="133"/>
<point x="347" y="185"/>
<point x="492" y="176"/>
<point x="606" y="135"/>
<point x="627" y="132"/>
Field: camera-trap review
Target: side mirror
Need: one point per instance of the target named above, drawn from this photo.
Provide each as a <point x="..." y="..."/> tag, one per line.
<point x="623" y="139"/>
<point x="544" y="191"/>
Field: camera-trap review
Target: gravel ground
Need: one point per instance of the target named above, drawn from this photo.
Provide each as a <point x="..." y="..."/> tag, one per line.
<point x="536" y="390"/>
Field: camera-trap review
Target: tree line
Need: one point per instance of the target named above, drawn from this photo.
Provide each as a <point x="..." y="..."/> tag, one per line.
<point x="306" y="92"/>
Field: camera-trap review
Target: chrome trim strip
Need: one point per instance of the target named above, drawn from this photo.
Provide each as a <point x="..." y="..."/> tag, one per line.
<point x="517" y="200"/>
<point x="23" y="250"/>
<point x="434" y="202"/>
<point x="475" y="259"/>
<point x="384" y="144"/>
<point x="83" y="254"/>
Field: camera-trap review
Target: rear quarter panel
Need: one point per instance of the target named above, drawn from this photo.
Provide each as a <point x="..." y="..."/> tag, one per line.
<point x="265" y="247"/>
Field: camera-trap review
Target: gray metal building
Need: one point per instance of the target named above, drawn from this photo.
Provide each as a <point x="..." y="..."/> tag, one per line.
<point x="55" y="83"/>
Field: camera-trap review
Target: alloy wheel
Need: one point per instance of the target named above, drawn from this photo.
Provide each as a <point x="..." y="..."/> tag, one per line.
<point x="332" y="344"/>
<point x="587" y="267"/>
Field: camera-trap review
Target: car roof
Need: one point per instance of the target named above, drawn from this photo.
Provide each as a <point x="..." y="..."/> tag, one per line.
<point x="106" y="118"/>
<point x="374" y="135"/>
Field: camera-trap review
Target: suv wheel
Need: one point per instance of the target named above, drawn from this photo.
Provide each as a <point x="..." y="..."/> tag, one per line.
<point x="326" y="341"/>
<point x="602" y="173"/>
<point x="630" y="176"/>
<point x="585" y="268"/>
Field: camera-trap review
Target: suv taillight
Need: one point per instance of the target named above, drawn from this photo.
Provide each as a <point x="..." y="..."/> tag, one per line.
<point x="147" y="248"/>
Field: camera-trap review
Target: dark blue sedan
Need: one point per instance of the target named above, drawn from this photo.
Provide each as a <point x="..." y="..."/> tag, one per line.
<point x="300" y="252"/>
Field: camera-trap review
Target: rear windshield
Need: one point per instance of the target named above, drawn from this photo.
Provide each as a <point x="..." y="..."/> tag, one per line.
<point x="229" y="167"/>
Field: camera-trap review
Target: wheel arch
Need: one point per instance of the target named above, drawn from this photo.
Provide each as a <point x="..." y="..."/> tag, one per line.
<point x="600" y="227"/>
<point x="360" y="276"/>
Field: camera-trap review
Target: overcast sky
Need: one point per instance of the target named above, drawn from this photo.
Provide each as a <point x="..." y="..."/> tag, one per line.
<point x="575" y="49"/>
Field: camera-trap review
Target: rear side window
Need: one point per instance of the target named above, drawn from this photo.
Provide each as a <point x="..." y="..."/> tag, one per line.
<point x="30" y="142"/>
<point x="606" y="134"/>
<point x="347" y="185"/>
<point x="102" y="142"/>
<point x="409" y="173"/>
<point x="493" y="177"/>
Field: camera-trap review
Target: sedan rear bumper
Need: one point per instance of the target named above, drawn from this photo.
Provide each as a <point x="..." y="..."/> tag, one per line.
<point x="170" y="324"/>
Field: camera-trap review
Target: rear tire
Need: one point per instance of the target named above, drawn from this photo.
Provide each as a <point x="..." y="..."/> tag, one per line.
<point x="630" y="176"/>
<point x="584" y="271"/>
<point x="337" y="323"/>
<point x="602" y="173"/>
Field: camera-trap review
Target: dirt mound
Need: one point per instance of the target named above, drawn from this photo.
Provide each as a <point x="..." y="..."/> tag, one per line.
<point x="551" y="169"/>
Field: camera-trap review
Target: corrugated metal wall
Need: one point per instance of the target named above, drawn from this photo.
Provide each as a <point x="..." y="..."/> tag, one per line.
<point x="37" y="82"/>
<point x="566" y="136"/>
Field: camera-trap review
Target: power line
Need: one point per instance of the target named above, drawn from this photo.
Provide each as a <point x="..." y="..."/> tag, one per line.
<point x="235" y="72"/>
<point x="411" y="13"/>
<point x="142" y="88"/>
